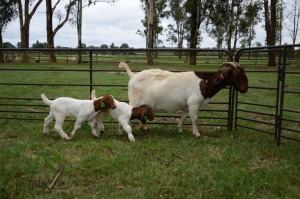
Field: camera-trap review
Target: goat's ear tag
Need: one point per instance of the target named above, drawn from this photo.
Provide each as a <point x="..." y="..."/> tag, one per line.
<point x="145" y="118"/>
<point x="221" y="76"/>
<point x="102" y="105"/>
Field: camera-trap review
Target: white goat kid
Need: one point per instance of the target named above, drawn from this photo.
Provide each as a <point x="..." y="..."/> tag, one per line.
<point x="166" y="91"/>
<point x="83" y="110"/>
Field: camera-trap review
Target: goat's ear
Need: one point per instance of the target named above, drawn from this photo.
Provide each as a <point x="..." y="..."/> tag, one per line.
<point x="144" y="115"/>
<point x="220" y="76"/>
<point x="97" y="105"/>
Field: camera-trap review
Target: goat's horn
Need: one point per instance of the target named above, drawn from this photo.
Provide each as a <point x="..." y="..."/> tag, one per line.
<point x="237" y="64"/>
<point x="233" y="64"/>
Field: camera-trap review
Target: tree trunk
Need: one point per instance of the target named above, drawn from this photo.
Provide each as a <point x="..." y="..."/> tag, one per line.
<point x="79" y="29"/>
<point x="50" y="35"/>
<point x="229" y="20"/>
<point x="1" y="46"/>
<point x="150" y="8"/>
<point x="24" y="25"/>
<point x="270" y="26"/>
<point x="195" y="23"/>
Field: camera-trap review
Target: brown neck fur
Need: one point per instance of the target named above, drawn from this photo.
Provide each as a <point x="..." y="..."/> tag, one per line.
<point x="136" y="113"/>
<point x="207" y="87"/>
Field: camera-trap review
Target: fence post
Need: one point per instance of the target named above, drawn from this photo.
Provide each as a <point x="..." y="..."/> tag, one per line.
<point x="281" y="96"/>
<point x="91" y="72"/>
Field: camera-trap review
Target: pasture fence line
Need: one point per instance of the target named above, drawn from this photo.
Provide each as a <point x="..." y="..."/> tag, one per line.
<point x="232" y="111"/>
<point x="25" y="106"/>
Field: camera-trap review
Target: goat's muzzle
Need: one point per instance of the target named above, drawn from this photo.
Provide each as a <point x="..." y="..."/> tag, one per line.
<point x="243" y="88"/>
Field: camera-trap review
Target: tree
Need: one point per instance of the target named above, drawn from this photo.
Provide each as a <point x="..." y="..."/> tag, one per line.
<point x="270" y="27"/>
<point x="154" y="11"/>
<point x="124" y="45"/>
<point x="150" y="26"/>
<point x="294" y="19"/>
<point x="77" y="19"/>
<point x="104" y="46"/>
<point x="25" y="17"/>
<point x="249" y="20"/>
<point x="62" y="21"/>
<point x="37" y="44"/>
<point x="8" y="45"/>
<point x="196" y="10"/>
<point x="8" y="13"/>
<point x="178" y="32"/>
<point x="231" y="20"/>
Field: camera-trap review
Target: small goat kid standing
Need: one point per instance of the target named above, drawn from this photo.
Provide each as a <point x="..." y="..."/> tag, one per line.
<point x="83" y="110"/>
<point x="124" y="113"/>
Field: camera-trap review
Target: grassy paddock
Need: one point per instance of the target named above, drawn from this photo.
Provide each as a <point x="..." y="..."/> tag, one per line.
<point x="160" y="164"/>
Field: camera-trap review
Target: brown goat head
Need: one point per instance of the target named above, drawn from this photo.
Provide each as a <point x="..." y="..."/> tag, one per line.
<point x="104" y="103"/>
<point x="234" y="75"/>
<point x="147" y="113"/>
<point x="143" y="113"/>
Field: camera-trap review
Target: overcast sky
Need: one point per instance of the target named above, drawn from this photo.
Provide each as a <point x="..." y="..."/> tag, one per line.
<point x="104" y="24"/>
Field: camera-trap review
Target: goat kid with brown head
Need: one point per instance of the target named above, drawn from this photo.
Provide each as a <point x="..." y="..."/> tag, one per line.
<point x="83" y="110"/>
<point x="123" y="112"/>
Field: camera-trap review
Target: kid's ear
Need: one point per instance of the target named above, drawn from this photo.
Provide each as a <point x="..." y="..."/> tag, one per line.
<point x="98" y="104"/>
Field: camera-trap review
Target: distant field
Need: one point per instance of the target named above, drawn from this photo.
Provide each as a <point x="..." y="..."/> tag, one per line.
<point x="161" y="163"/>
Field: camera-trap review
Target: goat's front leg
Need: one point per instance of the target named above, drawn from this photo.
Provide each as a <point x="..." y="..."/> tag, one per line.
<point x="127" y="128"/>
<point x="143" y="126"/>
<point x="193" y="112"/>
<point x="184" y="115"/>
<point x="76" y="126"/>
<point x="120" y="129"/>
<point x="93" y="126"/>
<point x="99" y="124"/>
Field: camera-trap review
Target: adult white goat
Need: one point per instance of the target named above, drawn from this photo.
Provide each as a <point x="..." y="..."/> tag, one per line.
<point x="166" y="91"/>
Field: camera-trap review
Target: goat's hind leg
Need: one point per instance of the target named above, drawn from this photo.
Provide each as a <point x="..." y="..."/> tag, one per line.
<point x="184" y="115"/>
<point x="127" y="128"/>
<point x="47" y="121"/>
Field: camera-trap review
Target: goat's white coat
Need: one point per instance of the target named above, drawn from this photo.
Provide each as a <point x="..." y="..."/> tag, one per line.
<point x="62" y="107"/>
<point x="166" y="91"/>
<point x="122" y="113"/>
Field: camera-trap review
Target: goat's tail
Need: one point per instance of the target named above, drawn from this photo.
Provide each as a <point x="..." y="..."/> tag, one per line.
<point x="45" y="99"/>
<point x="93" y="94"/>
<point x="124" y="65"/>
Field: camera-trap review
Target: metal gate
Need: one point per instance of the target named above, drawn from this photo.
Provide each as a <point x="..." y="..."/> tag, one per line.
<point x="276" y="108"/>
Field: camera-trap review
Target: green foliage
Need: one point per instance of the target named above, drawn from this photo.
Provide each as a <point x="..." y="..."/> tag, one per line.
<point x="37" y="44"/>
<point x="8" y="12"/>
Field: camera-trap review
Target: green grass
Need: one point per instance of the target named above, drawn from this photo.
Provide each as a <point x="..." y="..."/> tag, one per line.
<point x="160" y="164"/>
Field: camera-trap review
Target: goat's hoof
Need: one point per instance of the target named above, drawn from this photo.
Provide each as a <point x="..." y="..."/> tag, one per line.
<point x="143" y="129"/>
<point x="101" y="132"/>
<point x="197" y="135"/>
<point x="131" y="139"/>
<point x="67" y="138"/>
<point x="179" y="129"/>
